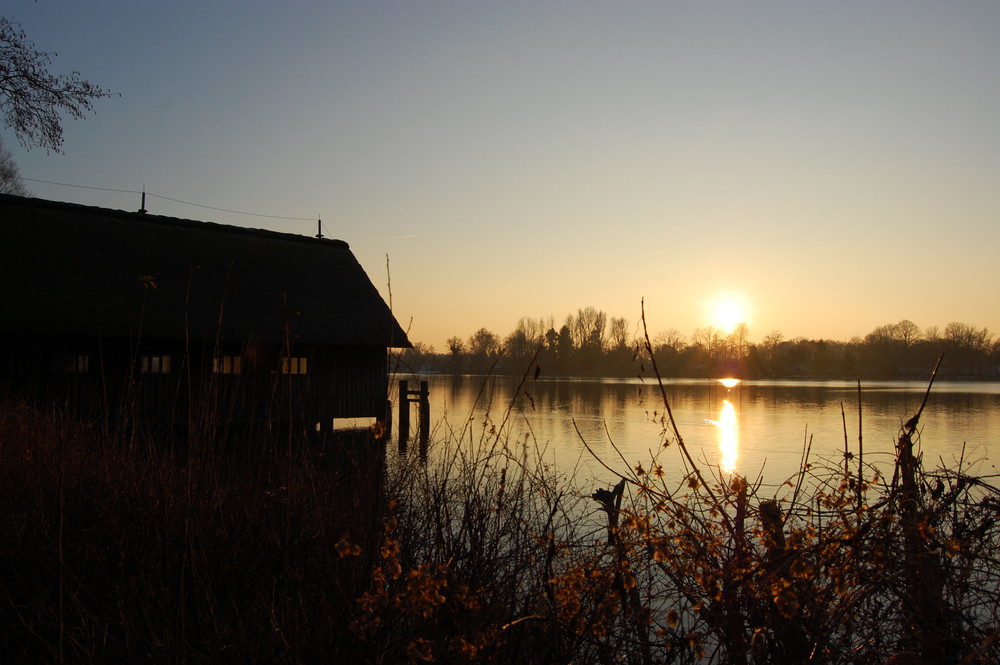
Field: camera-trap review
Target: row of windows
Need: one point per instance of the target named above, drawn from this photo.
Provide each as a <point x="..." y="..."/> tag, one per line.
<point x="79" y="363"/>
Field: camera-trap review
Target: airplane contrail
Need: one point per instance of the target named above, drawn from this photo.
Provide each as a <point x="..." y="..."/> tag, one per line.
<point x="782" y="294"/>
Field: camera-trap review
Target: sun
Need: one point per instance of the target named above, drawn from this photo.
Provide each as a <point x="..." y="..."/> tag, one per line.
<point x="728" y="312"/>
<point x="727" y="315"/>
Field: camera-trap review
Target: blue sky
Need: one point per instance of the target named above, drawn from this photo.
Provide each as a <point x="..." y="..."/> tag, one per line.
<point x="835" y="166"/>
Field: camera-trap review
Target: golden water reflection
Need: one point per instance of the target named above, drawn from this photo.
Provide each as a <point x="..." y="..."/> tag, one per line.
<point x="728" y="435"/>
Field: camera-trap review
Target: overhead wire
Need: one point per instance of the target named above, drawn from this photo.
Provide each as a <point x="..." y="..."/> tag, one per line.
<point x="236" y="212"/>
<point x="167" y="198"/>
<point x="66" y="184"/>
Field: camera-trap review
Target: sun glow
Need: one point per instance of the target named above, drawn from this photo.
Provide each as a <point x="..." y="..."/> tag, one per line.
<point x="728" y="315"/>
<point x="728" y="311"/>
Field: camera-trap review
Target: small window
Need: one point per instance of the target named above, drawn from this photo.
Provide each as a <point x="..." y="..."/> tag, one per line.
<point x="293" y="365"/>
<point x="70" y="363"/>
<point x="156" y="364"/>
<point x="226" y="365"/>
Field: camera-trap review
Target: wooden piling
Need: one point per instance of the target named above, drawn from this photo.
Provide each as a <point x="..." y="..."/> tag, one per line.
<point x="422" y="397"/>
<point x="404" y="413"/>
<point x="425" y="413"/>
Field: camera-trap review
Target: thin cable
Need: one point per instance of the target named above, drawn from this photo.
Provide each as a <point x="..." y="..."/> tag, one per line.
<point x="66" y="184"/>
<point x="235" y="212"/>
<point x="167" y="198"/>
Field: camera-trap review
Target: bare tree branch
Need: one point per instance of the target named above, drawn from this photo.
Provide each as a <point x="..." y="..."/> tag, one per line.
<point x="32" y="99"/>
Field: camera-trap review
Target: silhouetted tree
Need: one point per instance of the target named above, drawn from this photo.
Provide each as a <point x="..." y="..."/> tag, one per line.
<point x="564" y="345"/>
<point x="850" y="360"/>
<point x="709" y="342"/>
<point x="484" y="347"/>
<point x="968" y="346"/>
<point x="10" y="176"/>
<point x="552" y="342"/>
<point x="823" y="362"/>
<point x="418" y="357"/>
<point x="618" y="334"/>
<point x="526" y="339"/>
<point x="907" y="332"/>
<point x="769" y="345"/>
<point x="456" y="346"/>
<point x="667" y="347"/>
<point x="457" y="349"/>
<point x="738" y="341"/>
<point x="588" y="328"/>
<point x="31" y="99"/>
<point x="880" y="351"/>
<point x="670" y="338"/>
<point x="966" y="336"/>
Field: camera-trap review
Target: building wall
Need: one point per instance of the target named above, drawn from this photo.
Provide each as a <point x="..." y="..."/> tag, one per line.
<point x="170" y="383"/>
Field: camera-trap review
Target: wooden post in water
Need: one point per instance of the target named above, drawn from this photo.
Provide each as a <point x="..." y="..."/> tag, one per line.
<point x="422" y="397"/>
<point x="404" y="415"/>
<point x="425" y="415"/>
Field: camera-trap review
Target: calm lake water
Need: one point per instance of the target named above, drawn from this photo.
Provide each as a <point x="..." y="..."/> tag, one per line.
<point x="757" y="428"/>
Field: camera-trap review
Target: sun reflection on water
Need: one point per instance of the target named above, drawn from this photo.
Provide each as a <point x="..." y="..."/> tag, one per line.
<point x="728" y="437"/>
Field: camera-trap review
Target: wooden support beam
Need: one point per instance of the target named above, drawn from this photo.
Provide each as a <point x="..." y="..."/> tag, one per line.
<point x="422" y="397"/>
<point x="404" y="414"/>
<point x="425" y="414"/>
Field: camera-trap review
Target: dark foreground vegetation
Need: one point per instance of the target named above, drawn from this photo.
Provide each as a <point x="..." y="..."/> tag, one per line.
<point x="120" y="548"/>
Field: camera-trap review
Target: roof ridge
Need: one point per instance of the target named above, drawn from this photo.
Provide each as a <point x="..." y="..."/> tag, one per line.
<point x="148" y="218"/>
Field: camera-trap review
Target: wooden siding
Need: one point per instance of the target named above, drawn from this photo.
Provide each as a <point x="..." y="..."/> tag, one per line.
<point x="340" y="382"/>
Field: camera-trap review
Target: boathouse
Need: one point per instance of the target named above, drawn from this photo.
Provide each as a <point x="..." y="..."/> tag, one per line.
<point x="126" y="315"/>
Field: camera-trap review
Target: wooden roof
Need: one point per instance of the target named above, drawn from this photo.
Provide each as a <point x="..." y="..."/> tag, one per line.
<point x="68" y="269"/>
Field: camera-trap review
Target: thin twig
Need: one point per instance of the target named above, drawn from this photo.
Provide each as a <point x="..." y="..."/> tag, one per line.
<point x="695" y="469"/>
<point x="861" y="452"/>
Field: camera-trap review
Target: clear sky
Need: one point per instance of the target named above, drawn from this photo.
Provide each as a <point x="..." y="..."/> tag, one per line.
<point x="835" y="165"/>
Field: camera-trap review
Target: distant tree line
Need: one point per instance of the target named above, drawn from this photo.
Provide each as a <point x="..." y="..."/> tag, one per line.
<point x="589" y="343"/>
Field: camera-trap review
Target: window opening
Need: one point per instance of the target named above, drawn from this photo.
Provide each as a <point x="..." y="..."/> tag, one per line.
<point x="156" y="364"/>
<point x="226" y="365"/>
<point x="294" y="365"/>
